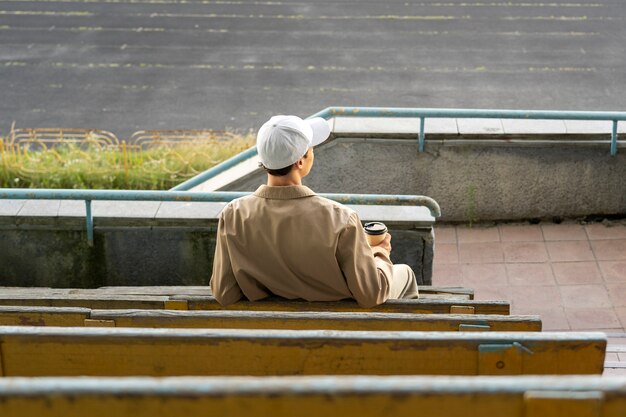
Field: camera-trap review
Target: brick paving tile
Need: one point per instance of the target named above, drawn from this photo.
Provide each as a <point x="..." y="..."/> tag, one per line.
<point x="445" y="234"/>
<point x="613" y="271"/>
<point x="484" y="275"/>
<point x="571" y="281"/>
<point x="447" y="275"/>
<point x="614" y="372"/>
<point x="552" y="319"/>
<point x="570" y="251"/>
<point x="446" y="253"/>
<point x="521" y="233"/>
<point x="599" y="231"/>
<point x="486" y="252"/>
<point x="592" y="318"/>
<point x="563" y="232"/>
<point x="621" y="314"/>
<point x="617" y="339"/>
<point x="531" y="296"/>
<point x="617" y="293"/>
<point x="621" y="357"/>
<point x="494" y="292"/>
<point x="525" y="252"/>
<point x="571" y="273"/>
<point x="610" y="250"/>
<point x="584" y="296"/>
<point x="611" y="357"/>
<point x="477" y="234"/>
<point x="530" y="274"/>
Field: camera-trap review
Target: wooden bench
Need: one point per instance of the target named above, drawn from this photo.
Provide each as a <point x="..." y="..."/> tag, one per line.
<point x="427" y="291"/>
<point x="217" y="319"/>
<point x="438" y="303"/>
<point x="43" y="316"/>
<point x="55" y="351"/>
<point x="432" y="396"/>
<point x="75" y="316"/>
<point x="420" y="306"/>
<point x="92" y="301"/>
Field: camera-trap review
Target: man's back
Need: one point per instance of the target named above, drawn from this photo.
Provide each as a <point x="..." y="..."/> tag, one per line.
<point x="292" y="243"/>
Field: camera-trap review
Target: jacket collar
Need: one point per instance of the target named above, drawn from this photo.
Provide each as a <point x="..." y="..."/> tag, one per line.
<point x="284" y="192"/>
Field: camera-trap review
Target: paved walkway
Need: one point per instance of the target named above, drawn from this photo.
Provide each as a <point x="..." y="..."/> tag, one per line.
<point x="573" y="275"/>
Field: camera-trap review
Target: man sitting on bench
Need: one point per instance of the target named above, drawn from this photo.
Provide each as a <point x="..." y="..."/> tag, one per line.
<point x="285" y="240"/>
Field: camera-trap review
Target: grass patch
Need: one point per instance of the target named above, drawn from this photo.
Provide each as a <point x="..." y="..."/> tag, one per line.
<point x="93" y="166"/>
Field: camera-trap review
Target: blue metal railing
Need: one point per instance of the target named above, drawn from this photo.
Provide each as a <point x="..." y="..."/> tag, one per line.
<point x="423" y="114"/>
<point x="217" y="197"/>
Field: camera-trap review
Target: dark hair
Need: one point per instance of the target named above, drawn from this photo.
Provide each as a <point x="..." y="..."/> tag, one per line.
<point x="281" y="172"/>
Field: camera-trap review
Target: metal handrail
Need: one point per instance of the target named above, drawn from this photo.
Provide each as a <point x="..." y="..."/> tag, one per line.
<point x="216" y="197"/>
<point x="422" y="114"/>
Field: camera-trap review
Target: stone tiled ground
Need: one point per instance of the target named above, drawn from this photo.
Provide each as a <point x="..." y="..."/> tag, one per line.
<point x="571" y="274"/>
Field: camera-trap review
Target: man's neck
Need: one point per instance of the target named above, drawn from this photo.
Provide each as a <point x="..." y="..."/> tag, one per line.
<point x="290" y="179"/>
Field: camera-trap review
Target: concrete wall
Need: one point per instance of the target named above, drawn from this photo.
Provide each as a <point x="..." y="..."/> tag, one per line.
<point x="44" y="243"/>
<point x="57" y="255"/>
<point x="479" y="179"/>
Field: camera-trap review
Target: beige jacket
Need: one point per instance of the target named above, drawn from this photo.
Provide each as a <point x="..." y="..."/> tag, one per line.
<point x="290" y="242"/>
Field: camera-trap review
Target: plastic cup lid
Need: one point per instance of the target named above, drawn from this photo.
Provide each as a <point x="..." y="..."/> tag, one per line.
<point x="375" y="228"/>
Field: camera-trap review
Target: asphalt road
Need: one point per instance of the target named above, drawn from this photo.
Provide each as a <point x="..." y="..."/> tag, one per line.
<point x="126" y="65"/>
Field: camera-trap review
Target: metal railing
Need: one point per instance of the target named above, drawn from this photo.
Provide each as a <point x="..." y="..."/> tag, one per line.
<point x="216" y="197"/>
<point x="423" y="114"/>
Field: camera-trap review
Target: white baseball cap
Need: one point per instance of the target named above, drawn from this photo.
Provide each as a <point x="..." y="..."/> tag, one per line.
<point x="282" y="140"/>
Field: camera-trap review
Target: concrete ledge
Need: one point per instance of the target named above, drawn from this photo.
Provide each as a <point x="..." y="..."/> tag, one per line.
<point x="392" y="126"/>
<point x="403" y="127"/>
<point x="243" y="169"/>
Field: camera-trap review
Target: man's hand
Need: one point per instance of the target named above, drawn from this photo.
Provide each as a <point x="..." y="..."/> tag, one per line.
<point x="385" y="244"/>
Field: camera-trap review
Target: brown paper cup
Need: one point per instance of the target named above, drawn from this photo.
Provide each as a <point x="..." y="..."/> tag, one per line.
<point x="375" y="232"/>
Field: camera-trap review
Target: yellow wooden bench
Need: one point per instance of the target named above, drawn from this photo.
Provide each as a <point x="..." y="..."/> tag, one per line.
<point x="75" y="316"/>
<point x="432" y="396"/>
<point x="55" y="351"/>
<point x="92" y="301"/>
<point x="426" y="291"/>
<point x="310" y="320"/>
<point x="421" y="306"/>
<point x="438" y="303"/>
<point x="43" y="316"/>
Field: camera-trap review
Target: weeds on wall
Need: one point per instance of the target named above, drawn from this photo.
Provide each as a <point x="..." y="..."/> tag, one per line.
<point x="92" y="165"/>
<point x="471" y="205"/>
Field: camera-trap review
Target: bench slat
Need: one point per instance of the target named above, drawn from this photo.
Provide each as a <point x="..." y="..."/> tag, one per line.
<point x="420" y="306"/>
<point x="55" y="351"/>
<point x="147" y="290"/>
<point x="43" y="316"/>
<point x="314" y="320"/>
<point x="307" y="396"/>
<point x="206" y="290"/>
<point x="86" y="301"/>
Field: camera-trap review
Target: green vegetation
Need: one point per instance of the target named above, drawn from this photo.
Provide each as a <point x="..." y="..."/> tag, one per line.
<point x="93" y="166"/>
<point x="471" y="205"/>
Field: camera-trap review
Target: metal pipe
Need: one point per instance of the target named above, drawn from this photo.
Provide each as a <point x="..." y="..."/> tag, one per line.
<point x="217" y="197"/>
<point x="471" y="113"/>
<point x="216" y="170"/>
<point x="89" y="221"/>
<point x="614" y="139"/>
<point x="421" y="137"/>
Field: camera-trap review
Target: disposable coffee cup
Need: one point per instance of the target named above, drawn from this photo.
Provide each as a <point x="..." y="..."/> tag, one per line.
<point x="375" y="232"/>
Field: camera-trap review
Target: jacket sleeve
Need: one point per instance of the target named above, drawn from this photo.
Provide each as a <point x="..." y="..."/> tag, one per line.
<point x="368" y="271"/>
<point x="223" y="283"/>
